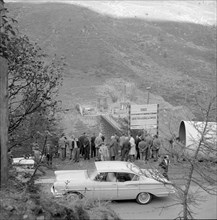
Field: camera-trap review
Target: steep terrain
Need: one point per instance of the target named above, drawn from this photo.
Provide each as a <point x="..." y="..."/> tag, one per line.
<point x="176" y="59"/>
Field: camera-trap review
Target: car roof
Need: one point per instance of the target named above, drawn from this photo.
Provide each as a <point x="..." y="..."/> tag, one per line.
<point x="113" y="166"/>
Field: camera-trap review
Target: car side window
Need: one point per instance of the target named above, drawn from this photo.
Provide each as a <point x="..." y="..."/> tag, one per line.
<point x="101" y="177"/>
<point x="135" y="178"/>
<point x="123" y="177"/>
<point x="111" y="177"/>
<point x="116" y="177"/>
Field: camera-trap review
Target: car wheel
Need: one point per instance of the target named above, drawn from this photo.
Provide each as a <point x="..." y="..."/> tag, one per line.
<point x="143" y="198"/>
<point x="73" y="196"/>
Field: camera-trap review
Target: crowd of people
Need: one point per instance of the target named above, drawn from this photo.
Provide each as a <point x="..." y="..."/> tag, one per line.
<point x="125" y="147"/>
<point x="143" y="147"/>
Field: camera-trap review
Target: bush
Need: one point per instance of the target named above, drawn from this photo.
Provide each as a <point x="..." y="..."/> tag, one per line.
<point x="27" y="201"/>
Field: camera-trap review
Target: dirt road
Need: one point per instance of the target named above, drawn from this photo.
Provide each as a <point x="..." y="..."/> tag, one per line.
<point x="159" y="208"/>
<point x="163" y="208"/>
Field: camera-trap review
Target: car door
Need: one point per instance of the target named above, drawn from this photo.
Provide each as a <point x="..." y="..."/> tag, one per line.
<point x="105" y="188"/>
<point x="152" y="186"/>
<point x="128" y="185"/>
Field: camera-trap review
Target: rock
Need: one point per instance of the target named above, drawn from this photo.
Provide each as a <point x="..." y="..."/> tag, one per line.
<point x="8" y="207"/>
<point x="25" y="216"/>
<point x="31" y="205"/>
<point x="41" y="217"/>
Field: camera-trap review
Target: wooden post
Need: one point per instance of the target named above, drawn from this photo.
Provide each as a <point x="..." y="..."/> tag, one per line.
<point x="3" y="121"/>
<point x="129" y="109"/>
<point x="148" y="89"/>
<point x="3" y="116"/>
<point x="157" y="120"/>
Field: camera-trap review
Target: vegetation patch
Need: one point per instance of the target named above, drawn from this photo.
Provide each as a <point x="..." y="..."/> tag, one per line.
<point x="26" y="201"/>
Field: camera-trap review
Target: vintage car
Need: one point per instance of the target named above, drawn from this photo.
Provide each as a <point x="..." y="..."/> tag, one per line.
<point x="25" y="162"/>
<point x="112" y="180"/>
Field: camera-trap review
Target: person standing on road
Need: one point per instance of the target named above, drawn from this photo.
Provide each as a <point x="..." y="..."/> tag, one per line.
<point x="62" y="146"/>
<point x="70" y="141"/>
<point x="76" y="150"/>
<point x="98" y="142"/>
<point x="66" y="146"/>
<point x="103" y="151"/>
<point x="49" y="151"/>
<point x="132" y="152"/>
<point x="137" y="140"/>
<point x="113" y="148"/>
<point x="142" y="149"/>
<point x="93" y="146"/>
<point x="125" y="149"/>
<point x="121" y="142"/>
<point x="81" y="139"/>
<point x="156" y="147"/>
<point x="148" y="141"/>
<point x="86" y="148"/>
<point x="164" y="165"/>
<point x="118" y="146"/>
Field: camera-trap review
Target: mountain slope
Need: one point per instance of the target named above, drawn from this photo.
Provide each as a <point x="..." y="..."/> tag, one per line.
<point x="178" y="60"/>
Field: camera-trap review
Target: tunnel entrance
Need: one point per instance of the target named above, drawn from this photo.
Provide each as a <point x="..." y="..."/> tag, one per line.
<point x="182" y="133"/>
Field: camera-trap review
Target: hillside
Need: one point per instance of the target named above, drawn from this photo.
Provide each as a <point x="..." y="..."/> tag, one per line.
<point x="176" y="59"/>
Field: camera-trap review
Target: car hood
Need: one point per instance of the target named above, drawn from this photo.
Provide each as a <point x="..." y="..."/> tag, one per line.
<point x="75" y="175"/>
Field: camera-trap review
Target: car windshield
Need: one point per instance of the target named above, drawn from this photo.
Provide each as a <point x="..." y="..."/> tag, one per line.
<point x="134" y="169"/>
<point x="92" y="173"/>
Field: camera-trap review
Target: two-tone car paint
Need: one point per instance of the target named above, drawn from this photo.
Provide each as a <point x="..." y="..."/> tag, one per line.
<point x="91" y="186"/>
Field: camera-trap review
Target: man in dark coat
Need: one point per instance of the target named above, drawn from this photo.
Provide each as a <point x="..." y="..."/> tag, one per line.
<point x="49" y="152"/>
<point x="62" y="145"/>
<point x="70" y="143"/>
<point x="137" y="140"/>
<point x="125" y="149"/>
<point x="149" y="142"/>
<point x="93" y="146"/>
<point x="86" y="148"/>
<point x="156" y="147"/>
<point x="121" y="142"/>
<point x="164" y="165"/>
<point x="81" y="140"/>
<point x="113" y="148"/>
<point x="143" y="150"/>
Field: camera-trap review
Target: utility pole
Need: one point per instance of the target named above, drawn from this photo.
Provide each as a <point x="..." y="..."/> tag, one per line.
<point x="148" y="89"/>
<point x="129" y="112"/>
<point x="3" y="114"/>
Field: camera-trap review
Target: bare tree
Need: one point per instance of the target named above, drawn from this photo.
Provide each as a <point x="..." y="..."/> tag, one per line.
<point x="198" y="161"/>
<point x="33" y="81"/>
<point x="203" y="174"/>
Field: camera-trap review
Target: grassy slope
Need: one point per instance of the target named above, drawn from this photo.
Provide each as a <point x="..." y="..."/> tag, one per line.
<point x="176" y="59"/>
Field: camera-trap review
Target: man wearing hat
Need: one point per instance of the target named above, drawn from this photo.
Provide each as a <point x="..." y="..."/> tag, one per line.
<point x="164" y="165"/>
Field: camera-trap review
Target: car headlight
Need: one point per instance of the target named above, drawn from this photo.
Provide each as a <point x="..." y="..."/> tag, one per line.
<point x="55" y="192"/>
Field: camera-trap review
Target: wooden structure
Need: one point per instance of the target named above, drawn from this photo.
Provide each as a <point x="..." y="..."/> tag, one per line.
<point x="3" y="115"/>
